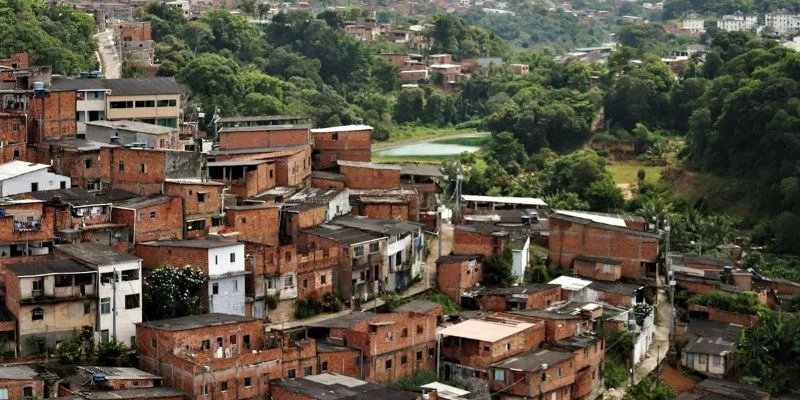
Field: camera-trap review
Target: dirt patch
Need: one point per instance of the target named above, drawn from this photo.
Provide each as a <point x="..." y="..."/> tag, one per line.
<point x="627" y="190"/>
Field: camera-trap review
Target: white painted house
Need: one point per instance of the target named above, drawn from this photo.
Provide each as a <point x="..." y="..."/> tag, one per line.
<point x="23" y="177"/>
<point x="694" y="23"/>
<point x="123" y="297"/>
<point x="225" y="277"/>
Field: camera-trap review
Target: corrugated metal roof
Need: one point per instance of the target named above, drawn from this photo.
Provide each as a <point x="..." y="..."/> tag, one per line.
<point x="486" y="330"/>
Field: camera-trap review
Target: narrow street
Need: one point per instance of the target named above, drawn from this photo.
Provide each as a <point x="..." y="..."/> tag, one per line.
<point x="657" y="351"/>
<point x="111" y="66"/>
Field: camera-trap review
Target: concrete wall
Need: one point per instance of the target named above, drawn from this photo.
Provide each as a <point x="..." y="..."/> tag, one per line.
<point x="230" y="296"/>
<point x="126" y="318"/>
<point x="44" y="179"/>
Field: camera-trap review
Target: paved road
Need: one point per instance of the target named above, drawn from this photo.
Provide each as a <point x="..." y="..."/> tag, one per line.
<point x="658" y="349"/>
<point x="428" y="277"/>
<point x="109" y="58"/>
<point x="388" y="146"/>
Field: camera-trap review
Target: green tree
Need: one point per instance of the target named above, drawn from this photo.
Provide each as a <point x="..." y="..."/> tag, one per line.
<point x="497" y="269"/>
<point x="768" y="351"/>
<point x="504" y="148"/>
<point x="134" y="70"/>
<point x="410" y="105"/>
<point x="171" y="292"/>
<point x="109" y="353"/>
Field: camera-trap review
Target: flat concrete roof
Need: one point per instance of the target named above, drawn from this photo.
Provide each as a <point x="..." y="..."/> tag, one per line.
<point x="486" y="330"/>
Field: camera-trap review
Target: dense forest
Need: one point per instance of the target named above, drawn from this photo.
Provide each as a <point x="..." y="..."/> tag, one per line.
<point x="58" y="36"/>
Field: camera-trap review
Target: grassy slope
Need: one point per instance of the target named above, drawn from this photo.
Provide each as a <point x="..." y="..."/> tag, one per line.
<point x="626" y="172"/>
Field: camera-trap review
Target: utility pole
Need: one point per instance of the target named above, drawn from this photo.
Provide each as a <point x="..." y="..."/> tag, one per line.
<point x="114" y="305"/>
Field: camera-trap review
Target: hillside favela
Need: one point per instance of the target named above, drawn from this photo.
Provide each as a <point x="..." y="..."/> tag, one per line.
<point x="400" y="199"/>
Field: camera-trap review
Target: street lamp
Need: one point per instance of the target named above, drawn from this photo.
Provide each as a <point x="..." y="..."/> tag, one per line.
<point x="541" y="381"/>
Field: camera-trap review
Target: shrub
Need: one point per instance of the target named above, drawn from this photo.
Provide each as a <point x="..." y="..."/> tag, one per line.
<point x="308" y="307"/>
<point x="615" y="373"/>
<point x="272" y="301"/>
<point x="108" y="353"/>
<point x="38" y="344"/>
<point x="331" y="302"/>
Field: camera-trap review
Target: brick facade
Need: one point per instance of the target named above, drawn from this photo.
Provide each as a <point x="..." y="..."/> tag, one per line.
<point x="456" y="274"/>
<point x="572" y="237"/>
<point x="466" y="241"/>
<point x="259" y="224"/>
<point x="331" y="145"/>
<point x="264" y="136"/>
<point x="201" y="202"/>
<point x="370" y="176"/>
<point x="162" y="220"/>
<point x="58" y="120"/>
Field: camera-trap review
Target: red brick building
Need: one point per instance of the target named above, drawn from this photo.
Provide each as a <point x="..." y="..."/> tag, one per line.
<point x="469" y="348"/>
<point x="400" y="203"/>
<point x="87" y="163"/>
<point x="349" y="143"/>
<point x="328" y="180"/>
<point x="367" y="175"/>
<point x="202" y="204"/>
<point x="253" y="223"/>
<point x="542" y="373"/>
<point x="394" y="345"/>
<point x="246" y="178"/>
<point x="240" y="363"/>
<point x="456" y="274"/>
<point x="13" y="131"/>
<point x="144" y="171"/>
<point x="292" y="163"/>
<point x="588" y="357"/>
<point x="20" y="382"/>
<point x="600" y="268"/>
<point x="266" y="136"/>
<point x="468" y="239"/>
<point x="579" y="234"/>
<point x="153" y="217"/>
<point x="528" y="297"/>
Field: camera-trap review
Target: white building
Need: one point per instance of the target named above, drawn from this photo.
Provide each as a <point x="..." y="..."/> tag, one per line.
<point x="123" y="297"/>
<point x="737" y="23"/>
<point x="225" y="276"/>
<point x="783" y="22"/>
<point x="337" y="200"/>
<point x="694" y="24"/>
<point x="183" y="5"/>
<point x="22" y="177"/>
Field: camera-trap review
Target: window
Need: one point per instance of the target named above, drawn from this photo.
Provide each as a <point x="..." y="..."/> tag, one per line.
<point x="288" y="281"/>
<point x="248" y="382"/>
<point x="206" y="344"/>
<point x="357" y="361"/>
<point x="122" y="165"/>
<point x="104" y="336"/>
<point x="16" y="153"/>
<point x="223" y="386"/>
<point x="105" y="305"/>
<point x="216" y="220"/>
<point x="215" y="288"/>
<point x="233" y="257"/>
<point x="87" y="163"/>
<point x="246" y="341"/>
<point x="145" y="103"/>
<point x="419" y="356"/>
<point x="388" y="364"/>
<point x="508" y="346"/>
<point x="130" y="275"/>
<point x="133" y="342"/>
<point x="143" y="168"/>
<point x="702" y="358"/>
<point x="305" y="283"/>
<point x="403" y="360"/>
<point x="131" y="301"/>
<point x="196" y="225"/>
<point x="201" y="197"/>
<point x="358" y="251"/>
<point x="374" y="247"/>
<point x="140" y="217"/>
<point x="324" y="366"/>
<point x="272" y="282"/>
<point x="404" y="333"/>
<point x="204" y="389"/>
<point x="323" y="279"/>
<point x="15" y="126"/>
<point x="500" y="375"/>
<point x="585" y="354"/>
<point x="167" y="103"/>
<point x="487" y="348"/>
<point x="430" y="352"/>
<point x="389" y="336"/>
<point x="153" y="343"/>
<point x="419" y="329"/>
<point x="558" y="372"/>
<point x="235" y="286"/>
<point x="292" y="373"/>
<point x="335" y="135"/>
<point x="3" y="394"/>
<point x="307" y="371"/>
<point x="27" y="392"/>
<point x="34" y="186"/>
<point x="37" y="314"/>
<point x="606" y="268"/>
<point x="152" y="215"/>
<point x="716" y="360"/>
<point x="87" y="308"/>
<point x="121" y="104"/>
